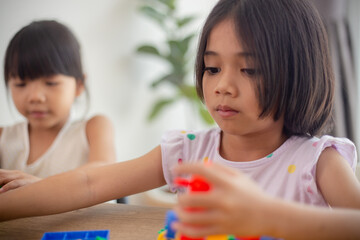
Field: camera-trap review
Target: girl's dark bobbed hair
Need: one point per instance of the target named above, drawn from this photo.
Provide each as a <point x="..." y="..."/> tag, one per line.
<point x="289" y="42"/>
<point x="43" y="48"/>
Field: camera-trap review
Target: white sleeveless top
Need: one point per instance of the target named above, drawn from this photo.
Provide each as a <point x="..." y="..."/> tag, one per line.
<point x="69" y="150"/>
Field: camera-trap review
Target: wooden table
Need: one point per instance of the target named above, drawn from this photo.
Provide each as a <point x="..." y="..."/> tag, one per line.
<point x="125" y="222"/>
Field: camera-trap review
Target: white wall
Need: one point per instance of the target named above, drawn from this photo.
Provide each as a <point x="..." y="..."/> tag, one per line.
<point x="118" y="79"/>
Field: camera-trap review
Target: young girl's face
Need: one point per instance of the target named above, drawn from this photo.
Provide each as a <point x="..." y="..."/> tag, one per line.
<point x="46" y="101"/>
<point x="229" y="84"/>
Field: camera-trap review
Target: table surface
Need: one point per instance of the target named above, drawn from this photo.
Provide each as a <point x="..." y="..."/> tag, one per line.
<point x="125" y="222"/>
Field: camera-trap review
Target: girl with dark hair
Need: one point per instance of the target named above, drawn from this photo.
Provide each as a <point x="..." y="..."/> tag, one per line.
<point x="264" y="73"/>
<point x="43" y="72"/>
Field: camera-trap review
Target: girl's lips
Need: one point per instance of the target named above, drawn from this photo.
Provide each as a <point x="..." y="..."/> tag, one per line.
<point x="225" y="111"/>
<point x="38" y="114"/>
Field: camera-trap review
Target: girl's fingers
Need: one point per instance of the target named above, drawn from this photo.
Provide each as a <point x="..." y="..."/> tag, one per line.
<point x="11" y="179"/>
<point x="6" y="178"/>
<point x="11" y="185"/>
<point x="196" y="199"/>
<point x="200" y="216"/>
<point x="9" y="175"/>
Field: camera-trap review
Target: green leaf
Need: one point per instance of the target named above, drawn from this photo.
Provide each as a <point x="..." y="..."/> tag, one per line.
<point x="177" y="58"/>
<point x="169" y="3"/>
<point x="159" y="106"/>
<point x="205" y="115"/>
<point x="148" y="49"/>
<point x="153" y="13"/>
<point x="171" y="77"/>
<point x="178" y="49"/>
<point x="185" y="42"/>
<point x="189" y="91"/>
<point x="164" y="12"/>
<point x="184" y="21"/>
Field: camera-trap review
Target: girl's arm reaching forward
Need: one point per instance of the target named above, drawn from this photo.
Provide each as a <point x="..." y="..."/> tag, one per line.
<point x="83" y="187"/>
<point x="236" y="205"/>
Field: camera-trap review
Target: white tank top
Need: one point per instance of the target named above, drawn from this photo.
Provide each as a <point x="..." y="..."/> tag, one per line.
<point x="69" y="150"/>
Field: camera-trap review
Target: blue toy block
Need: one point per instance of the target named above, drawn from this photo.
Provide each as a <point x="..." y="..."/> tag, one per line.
<point x="77" y="235"/>
<point x="170" y="218"/>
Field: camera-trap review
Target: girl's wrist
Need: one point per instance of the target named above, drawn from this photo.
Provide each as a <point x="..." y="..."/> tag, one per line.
<point x="274" y="217"/>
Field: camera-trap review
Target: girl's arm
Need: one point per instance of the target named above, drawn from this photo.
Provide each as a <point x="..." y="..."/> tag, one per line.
<point x="236" y="205"/>
<point x="337" y="181"/>
<point x="100" y="134"/>
<point x="83" y="187"/>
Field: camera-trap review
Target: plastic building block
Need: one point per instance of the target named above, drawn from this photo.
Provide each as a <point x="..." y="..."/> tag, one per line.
<point x="248" y="238"/>
<point x="170" y="218"/>
<point x="195" y="184"/>
<point x="77" y="235"/>
<point x="170" y="234"/>
<point x="183" y="237"/>
<point x="100" y="238"/>
<point x="218" y="237"/>
<point x="161" y="236"/>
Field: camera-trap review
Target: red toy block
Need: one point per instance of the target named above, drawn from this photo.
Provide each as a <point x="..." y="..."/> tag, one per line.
<point x="183" y="237"/>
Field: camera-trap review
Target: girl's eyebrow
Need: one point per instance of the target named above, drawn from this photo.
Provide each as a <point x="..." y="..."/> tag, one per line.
<point x="240" y="54"/>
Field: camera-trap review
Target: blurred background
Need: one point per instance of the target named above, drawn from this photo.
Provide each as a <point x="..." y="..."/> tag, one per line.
<point x="122" y="80"/>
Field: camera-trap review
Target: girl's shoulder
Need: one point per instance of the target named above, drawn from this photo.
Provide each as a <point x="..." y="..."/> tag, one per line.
<point x="17" y="130"/>
<point x="322" y="142"/>
<point x="190" y="145"/>
<point x="98" y="125"/>
<point x="14" y="128"/>
<point x="90" y="124"/>
<point x="315" y="146"/>
<point x="343" y="146"/>
<point x="97" y="121"/>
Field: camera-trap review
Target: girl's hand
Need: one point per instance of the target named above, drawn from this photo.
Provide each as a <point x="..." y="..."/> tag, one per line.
<point x="234" y="205"/>
<point x="11" y="179"/>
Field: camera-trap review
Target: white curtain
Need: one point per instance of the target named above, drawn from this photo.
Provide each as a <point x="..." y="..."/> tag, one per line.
<point x="335" y="15"/>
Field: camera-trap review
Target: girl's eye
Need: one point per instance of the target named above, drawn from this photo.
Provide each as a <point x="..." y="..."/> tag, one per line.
<point x="212" y="70"/>
<point x="20" y="84"/>
<point x="51" y="83"/>
<point x="249" y="71"/>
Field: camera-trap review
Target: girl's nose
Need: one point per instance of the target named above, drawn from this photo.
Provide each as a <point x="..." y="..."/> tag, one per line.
<point x="36" y="92"/>
<point x="226" y="85"/>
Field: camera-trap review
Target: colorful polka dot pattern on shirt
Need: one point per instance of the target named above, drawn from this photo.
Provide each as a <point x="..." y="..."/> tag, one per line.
<point x="291" y="168"/>
<point x="192" y="137"/>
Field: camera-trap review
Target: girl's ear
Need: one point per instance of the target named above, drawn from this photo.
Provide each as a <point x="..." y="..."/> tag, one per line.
<point x="80" y="87"/>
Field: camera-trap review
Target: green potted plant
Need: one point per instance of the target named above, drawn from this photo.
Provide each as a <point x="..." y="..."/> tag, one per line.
<point x="174" y="52"/>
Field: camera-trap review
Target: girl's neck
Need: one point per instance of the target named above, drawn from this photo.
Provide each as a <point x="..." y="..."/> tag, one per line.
<point x="43" y="132"/>
<point x="249" y="148"/>
<point x="40" y="140"/>
<point x="47" y="130"/>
